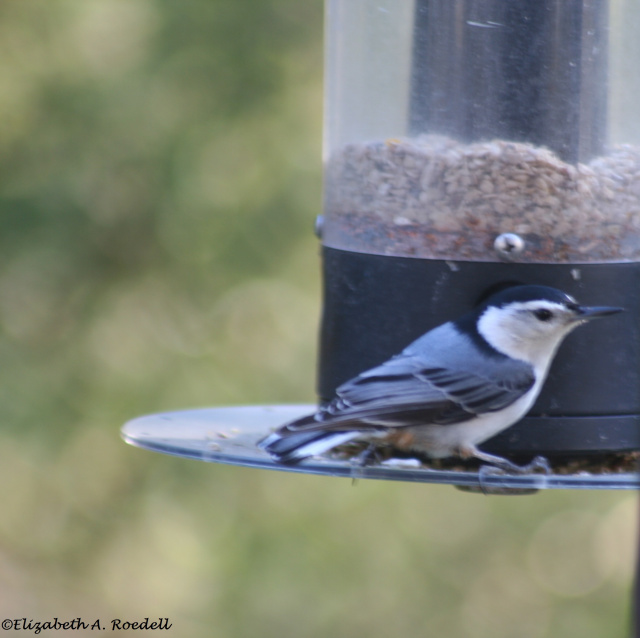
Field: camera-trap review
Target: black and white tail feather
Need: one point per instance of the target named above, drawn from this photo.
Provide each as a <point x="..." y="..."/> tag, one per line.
<point x="301" y="445"/>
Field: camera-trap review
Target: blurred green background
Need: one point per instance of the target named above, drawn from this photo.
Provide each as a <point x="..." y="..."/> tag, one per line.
<point x="160" y="174"/>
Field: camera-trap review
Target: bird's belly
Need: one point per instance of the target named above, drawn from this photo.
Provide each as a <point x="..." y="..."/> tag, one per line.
<point x="440" y="441"/>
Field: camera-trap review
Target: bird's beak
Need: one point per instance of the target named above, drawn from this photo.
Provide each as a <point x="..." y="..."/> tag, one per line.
<point x="593" y="312"/>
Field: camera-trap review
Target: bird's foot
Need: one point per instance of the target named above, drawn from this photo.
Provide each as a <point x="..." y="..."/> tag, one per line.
<point x="499" y="465"/>
<point x="539" y="463"/>
<point x="507" y="468"/>
<point x="368" y="456"/>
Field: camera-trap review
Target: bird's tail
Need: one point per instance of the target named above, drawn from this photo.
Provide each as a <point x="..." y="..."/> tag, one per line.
<point x="290" y="447"/>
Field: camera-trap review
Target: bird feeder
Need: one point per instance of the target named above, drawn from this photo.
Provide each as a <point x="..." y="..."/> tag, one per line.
<point x="470" y="145"/>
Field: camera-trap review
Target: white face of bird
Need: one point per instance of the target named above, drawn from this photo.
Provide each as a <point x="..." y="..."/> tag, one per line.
<point x="530" y="330"/>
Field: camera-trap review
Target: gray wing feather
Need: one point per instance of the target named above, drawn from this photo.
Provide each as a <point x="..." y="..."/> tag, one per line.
<point x="408" y="390"/>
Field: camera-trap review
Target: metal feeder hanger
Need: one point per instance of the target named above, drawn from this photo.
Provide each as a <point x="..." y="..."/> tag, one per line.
<point x="469" y="144"/>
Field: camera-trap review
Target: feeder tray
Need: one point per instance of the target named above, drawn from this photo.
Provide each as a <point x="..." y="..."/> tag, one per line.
<point x="229" y="435"/>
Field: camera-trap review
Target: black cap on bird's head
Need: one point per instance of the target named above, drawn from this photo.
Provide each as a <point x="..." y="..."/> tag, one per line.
<point x="532" y="293"/>
<point x="523" y="293"/>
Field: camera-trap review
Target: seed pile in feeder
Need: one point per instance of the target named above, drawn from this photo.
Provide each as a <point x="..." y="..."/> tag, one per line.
<point x="434" y="197"/>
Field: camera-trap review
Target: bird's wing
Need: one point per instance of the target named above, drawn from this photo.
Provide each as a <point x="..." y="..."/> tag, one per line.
<point x="406" y="391"/>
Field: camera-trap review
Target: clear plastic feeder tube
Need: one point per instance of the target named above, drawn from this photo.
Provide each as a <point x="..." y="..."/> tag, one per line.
<point x="451" y="122"/>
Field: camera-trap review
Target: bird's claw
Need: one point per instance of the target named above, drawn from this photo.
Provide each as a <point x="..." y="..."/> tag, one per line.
<point x="504" y="467"/>
<point x="368" y="456"/>
<point x="539" y="464"/>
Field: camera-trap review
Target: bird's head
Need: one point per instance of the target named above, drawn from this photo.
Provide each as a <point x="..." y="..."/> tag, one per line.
<point x="530" y="322"/>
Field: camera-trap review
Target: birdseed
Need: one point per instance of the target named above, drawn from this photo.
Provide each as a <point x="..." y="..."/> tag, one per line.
<point x="610" y="463"/>
<point x="433" y="197"/>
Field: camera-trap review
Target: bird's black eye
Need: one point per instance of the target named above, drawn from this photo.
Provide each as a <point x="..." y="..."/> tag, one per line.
<point x="544" y="314"/>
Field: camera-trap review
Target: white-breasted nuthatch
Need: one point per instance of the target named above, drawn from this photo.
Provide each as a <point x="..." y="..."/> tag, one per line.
<point x="451" y="389"/>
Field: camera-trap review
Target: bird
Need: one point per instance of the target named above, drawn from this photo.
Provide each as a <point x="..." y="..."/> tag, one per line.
<point x="451" y="389"/>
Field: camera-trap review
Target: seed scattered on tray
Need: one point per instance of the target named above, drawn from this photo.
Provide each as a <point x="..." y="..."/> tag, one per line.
<point x="612" y="463"/>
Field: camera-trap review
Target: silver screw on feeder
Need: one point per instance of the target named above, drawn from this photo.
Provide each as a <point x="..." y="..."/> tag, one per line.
<point x="508" y="245"/>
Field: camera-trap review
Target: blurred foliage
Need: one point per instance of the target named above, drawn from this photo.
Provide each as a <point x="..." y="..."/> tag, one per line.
<point x="159" y="177"/>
